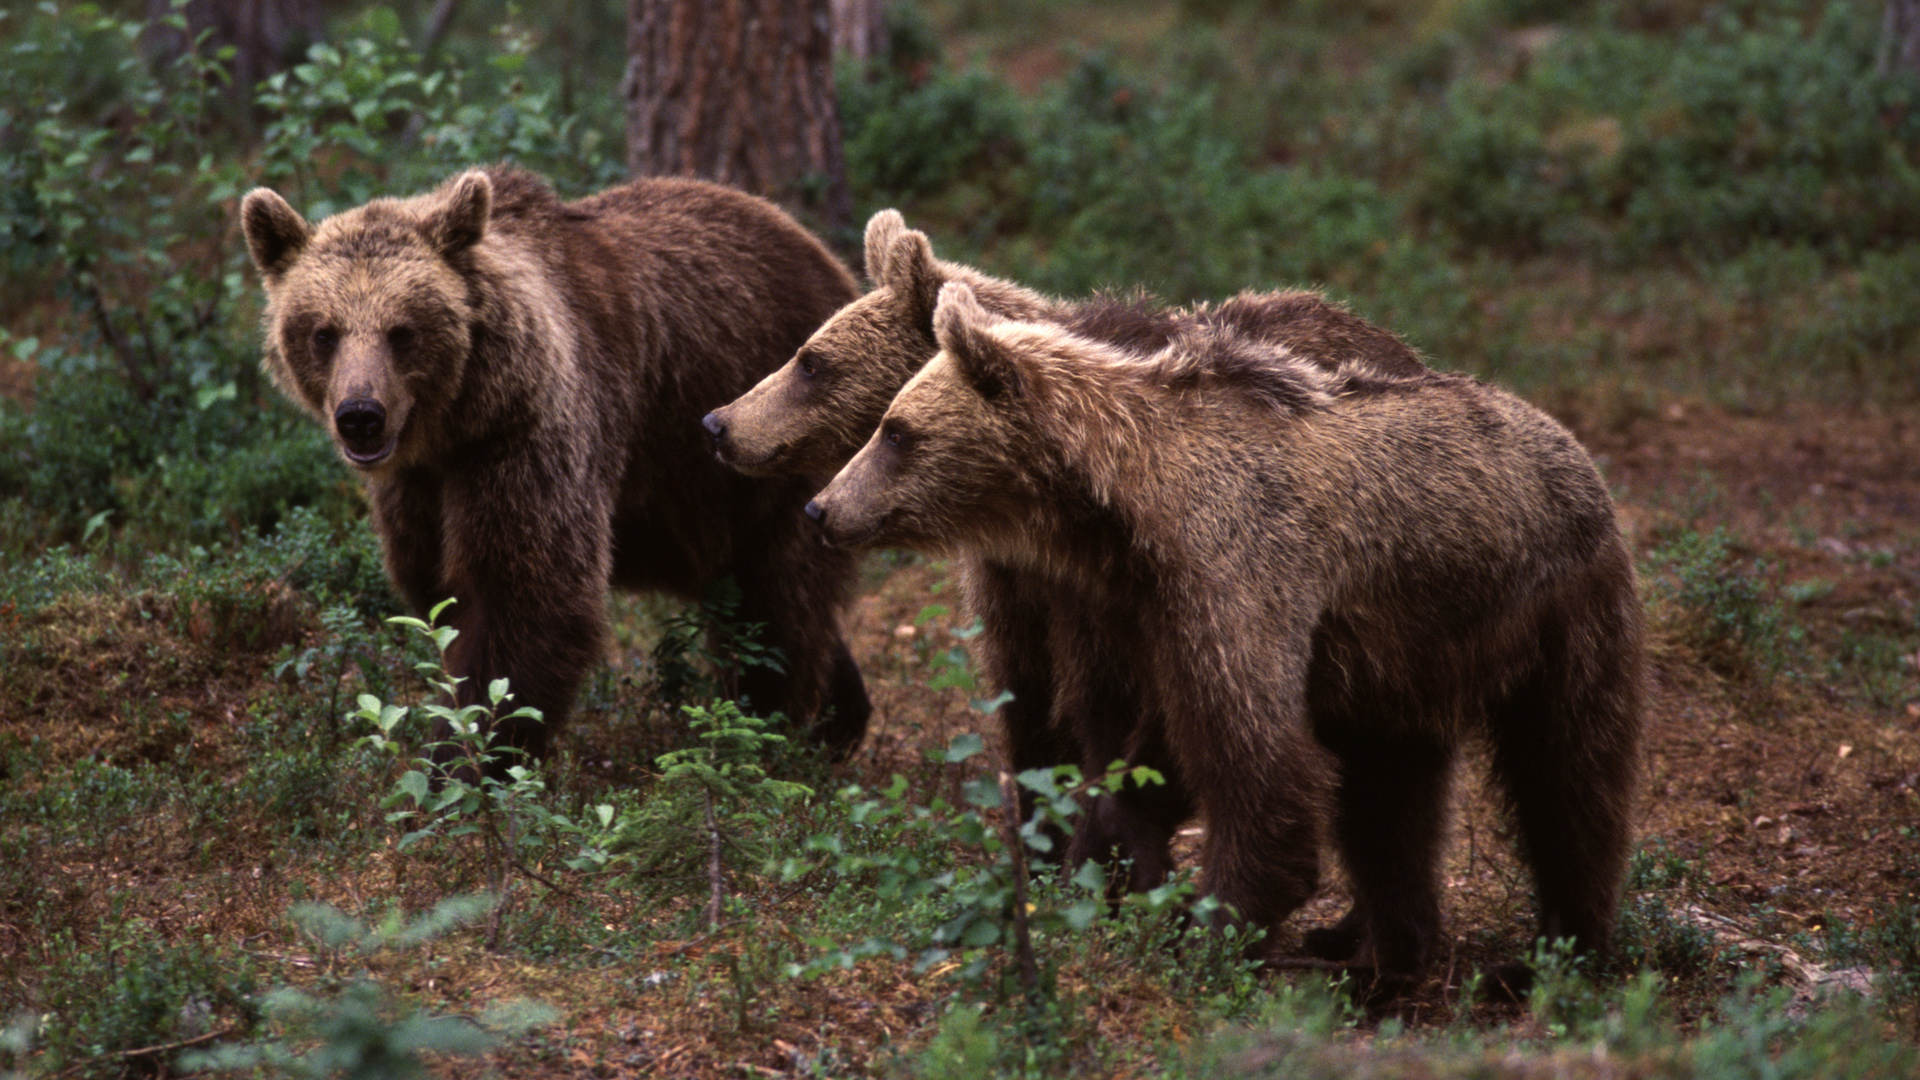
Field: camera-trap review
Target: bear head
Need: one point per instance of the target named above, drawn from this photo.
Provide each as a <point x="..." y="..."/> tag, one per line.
<point x="809" y="416"/>
<point x="369" y="314"/>
<point x="960" y="455"/>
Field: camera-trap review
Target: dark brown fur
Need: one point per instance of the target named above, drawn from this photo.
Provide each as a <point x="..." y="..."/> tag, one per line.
<point x="1074" y="698"/>
<point x="1330" y="583"/>
<point x="539" y="366"/>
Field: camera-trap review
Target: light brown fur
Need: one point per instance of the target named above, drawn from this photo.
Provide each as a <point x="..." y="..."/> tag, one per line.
<point x="1074" y="698"/>
<point x="516" y="381"/>
<point x="1331" y="583"/>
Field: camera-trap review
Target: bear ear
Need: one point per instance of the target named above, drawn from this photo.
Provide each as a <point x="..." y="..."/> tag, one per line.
<point x="914" y="277"/>
<point x="276" y="233"/>
<point x="960" y="326"/>
<point x="881" y="230"/>
<point x="461" y="220"/>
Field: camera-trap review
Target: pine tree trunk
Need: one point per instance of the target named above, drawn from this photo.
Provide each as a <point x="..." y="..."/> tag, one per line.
<point x="1900" y="38"/>
<point x="740" y="92"/>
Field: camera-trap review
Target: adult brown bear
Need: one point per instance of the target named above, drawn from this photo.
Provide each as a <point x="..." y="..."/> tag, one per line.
<point x="517" y="380"/>
<point x="1331" y="582"/>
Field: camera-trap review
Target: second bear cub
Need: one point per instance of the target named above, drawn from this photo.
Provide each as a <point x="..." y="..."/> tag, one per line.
<point x="1331" y="582"/>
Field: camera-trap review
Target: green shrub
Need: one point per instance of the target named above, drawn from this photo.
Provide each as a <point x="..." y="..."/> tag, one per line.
<point x="1728" y="611"/>
<point x="102" y="999"/>
<point x="1758" y="124"/>
<point x="362" y="1031"/>
<point x="910" y="137"/>
<point x="1651" y="934"/>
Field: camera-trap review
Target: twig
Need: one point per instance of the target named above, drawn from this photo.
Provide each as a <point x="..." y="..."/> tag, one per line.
<point x="122" y="348"/>
<point x="145" y="1050"/>
<point x="716" y="873"/>
<point x="1306" y="963"/>
<point x="700" y="940"/>
<point x="542" y="878"/>
<point x="1017" y="851"/>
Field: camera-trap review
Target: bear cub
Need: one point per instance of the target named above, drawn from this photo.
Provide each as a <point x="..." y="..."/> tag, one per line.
<point x="1074" y="695"/>
<point x="1330" y="584"/>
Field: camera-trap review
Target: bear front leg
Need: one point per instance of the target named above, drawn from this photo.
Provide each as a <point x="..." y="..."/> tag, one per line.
<point x="1014" y="654"/>
<point x="796" y="589"/>
<point x="1098" y="698"/>
<point x="527" y="557"/>
<point x="1262" y="785"/>
<point x="406" y="515"/>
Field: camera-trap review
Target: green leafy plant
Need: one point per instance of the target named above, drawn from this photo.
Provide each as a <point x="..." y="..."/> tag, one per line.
<point x="1726" y="610"/>
<point x="134" y="1000"/>
<point x="703" y="650"/>
<point x="362" y="1031"/>
<point x="711" y="812"/>
<point x="985" y="908"/>
<point x="458" y="795"/>
<point x="1651" y="934"/>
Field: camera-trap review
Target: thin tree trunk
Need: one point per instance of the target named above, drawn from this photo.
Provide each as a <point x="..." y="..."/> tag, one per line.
<point x="1900" y="38"/>
<point x="265" y="34"/>
<point x="1010" y="823"/>
<point x="860" y="29"/>
<point x="739" y="92"/>
<point x="437" y="22"/>
<point x="716" y="869"/>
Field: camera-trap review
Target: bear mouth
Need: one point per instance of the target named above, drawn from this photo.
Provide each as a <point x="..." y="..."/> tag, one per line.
<point x="759" y="466"/>
<point x="366" y="459"/>
<point x="830" y="537"/>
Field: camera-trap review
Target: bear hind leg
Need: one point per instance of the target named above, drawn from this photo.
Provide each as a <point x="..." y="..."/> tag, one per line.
<point x="1565" y="754"/>
<point x="1390" y="818"/>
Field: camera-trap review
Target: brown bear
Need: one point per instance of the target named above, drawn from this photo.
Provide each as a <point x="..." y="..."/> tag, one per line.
<point x="1331" y="583"/>
<point x="1041" y="640"/>
<point x="516" y="380"/>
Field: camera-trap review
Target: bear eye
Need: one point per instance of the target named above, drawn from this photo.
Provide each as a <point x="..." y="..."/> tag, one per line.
<point x="400" y="337"/>
<point x="894" y="437"/>
<point x="808" y="366"/>
<point x="325" y="338"/>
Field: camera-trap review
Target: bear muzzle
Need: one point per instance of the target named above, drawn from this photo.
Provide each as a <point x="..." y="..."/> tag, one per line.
<point x="726" y="449"/>
<point x="361" y="426"/>
<point x="837" y="529"/>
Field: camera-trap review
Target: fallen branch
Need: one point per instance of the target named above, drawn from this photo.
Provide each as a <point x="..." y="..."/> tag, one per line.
<point x="121" y="1055"/>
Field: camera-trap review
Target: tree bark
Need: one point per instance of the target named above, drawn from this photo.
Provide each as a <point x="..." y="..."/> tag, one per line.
<point x="739" y="92"/>
<point x="1900" y="33"/>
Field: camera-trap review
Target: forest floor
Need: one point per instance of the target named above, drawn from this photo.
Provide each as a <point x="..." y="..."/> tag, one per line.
<point x="1782" y="776"/>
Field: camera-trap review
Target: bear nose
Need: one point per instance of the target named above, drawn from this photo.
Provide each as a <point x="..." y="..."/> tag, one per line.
<point x="715" y="426"/>
<point x="361" y="422"/>
<point x="816" y="511"/>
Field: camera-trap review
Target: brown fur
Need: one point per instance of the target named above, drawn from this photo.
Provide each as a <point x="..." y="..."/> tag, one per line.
<point x="1330" y="584"/>
<point x="1042" y="639"/>
<point x="515" y="379"/>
